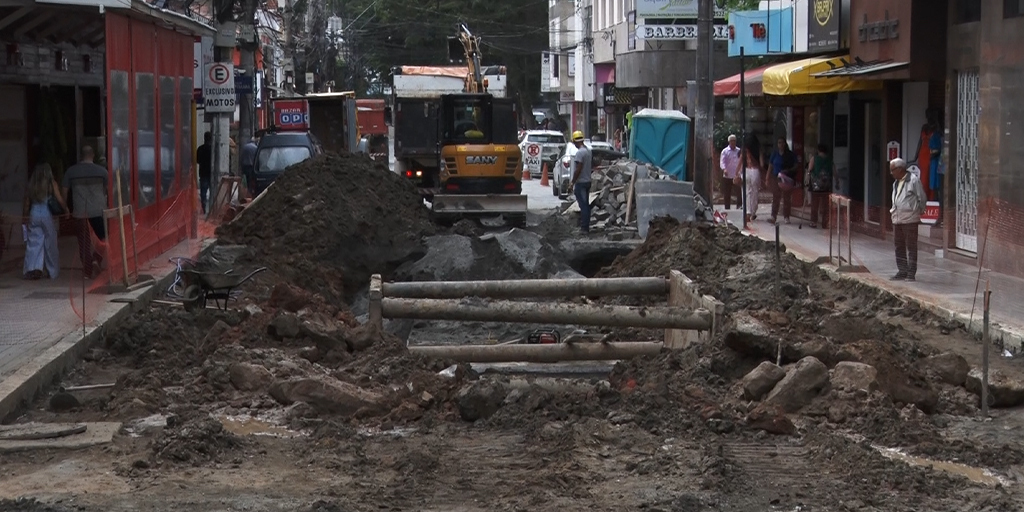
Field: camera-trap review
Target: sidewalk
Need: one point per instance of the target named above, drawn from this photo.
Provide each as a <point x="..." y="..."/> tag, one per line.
<point x="942" y="285"/>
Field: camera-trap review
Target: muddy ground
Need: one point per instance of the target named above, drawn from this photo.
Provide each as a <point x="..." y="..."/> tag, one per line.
<point x="289" y="402"/>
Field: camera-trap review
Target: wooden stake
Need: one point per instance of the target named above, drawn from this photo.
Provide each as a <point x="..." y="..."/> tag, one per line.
<point x="629" y="196"/>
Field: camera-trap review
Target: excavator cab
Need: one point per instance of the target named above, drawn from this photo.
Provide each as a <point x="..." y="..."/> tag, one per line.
<point x="480" y="167"/>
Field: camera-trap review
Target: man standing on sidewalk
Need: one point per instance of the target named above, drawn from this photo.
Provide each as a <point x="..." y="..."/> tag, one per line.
<point x="581" y="180"/>
<point x="204" y="162"/>
<point x="730" y="164"/>
<point x="88" y="182"/>
<point x="908" y="204"/>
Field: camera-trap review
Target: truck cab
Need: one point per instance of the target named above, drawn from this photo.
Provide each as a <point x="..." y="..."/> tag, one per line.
<point x="479" y="145"/>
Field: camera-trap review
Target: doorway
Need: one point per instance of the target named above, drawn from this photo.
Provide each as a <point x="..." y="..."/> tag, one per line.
<point x="874" y="179"/>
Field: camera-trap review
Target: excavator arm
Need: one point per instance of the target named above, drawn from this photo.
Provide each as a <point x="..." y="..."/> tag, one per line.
<point x="471" y="49"/>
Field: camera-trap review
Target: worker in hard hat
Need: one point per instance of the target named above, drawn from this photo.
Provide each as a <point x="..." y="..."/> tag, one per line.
<point x="580" y="184"/>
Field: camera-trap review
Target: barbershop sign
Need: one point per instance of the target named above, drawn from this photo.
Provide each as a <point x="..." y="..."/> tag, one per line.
<point x="677" y="32"/>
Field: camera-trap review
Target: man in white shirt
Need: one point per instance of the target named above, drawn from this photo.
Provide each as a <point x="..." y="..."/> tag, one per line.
<point x="908" y="204"/>
<point x="729" y="162"/>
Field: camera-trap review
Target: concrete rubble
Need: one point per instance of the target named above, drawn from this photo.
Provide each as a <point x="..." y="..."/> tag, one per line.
<point x="609" y="193"/>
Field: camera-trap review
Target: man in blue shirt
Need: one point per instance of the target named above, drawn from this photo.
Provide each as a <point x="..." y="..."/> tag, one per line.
<point x="782" y="169"/>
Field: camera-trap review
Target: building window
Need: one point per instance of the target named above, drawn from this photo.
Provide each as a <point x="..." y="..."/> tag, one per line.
<point x="967" y="11"/>
<point x="1013" y="8"/>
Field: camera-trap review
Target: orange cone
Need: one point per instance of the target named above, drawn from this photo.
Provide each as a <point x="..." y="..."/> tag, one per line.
<point x="526" y="173"/>
<point x="544" y="175"/>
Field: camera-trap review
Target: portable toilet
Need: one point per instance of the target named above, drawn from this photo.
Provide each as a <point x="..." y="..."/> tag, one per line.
<point x="661" y="138"/>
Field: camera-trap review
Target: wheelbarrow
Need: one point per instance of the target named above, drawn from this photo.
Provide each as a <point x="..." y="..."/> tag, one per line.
<point x="205" y="286"/>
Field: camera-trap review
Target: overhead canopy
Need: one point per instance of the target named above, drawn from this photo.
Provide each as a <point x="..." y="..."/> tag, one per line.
<point x="731" y="86"/>
<point x="862" y="68"/>
<point x="796" y="78"/>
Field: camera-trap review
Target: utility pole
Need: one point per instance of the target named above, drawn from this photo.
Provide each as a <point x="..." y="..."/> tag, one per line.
<point x="224" y="46"/>
<point x="249" y="45"/>
<point x="704" y="131"/>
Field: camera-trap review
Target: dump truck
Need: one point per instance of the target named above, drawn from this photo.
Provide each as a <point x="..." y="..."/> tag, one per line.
<point x="455" y="134"/>
<point x="329" y="117"/>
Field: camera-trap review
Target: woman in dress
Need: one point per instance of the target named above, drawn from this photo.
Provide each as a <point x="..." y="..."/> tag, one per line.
<point x="41" y="257"/>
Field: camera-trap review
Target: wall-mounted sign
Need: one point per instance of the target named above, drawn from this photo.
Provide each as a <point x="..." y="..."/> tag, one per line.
<point x="219" y="88"/>
<point x="761" y="32"/>
<point x="545" y="72"/>
<point x="677" y="32"/>
<point x="892" y="150"/>
<point x="879" y="30"/>
<point x="823" y="25"/>
<point x="566" y="97"/>
<point x="672" y="9"/>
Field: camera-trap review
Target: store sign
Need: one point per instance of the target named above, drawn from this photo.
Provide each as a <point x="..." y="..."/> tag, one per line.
<point x="202" y="55"/>
<point x="219" y="88"/>
<point x="893" y="150"/>
<point x="931" y="213"/>
<point x="566" y="97"/>
<point x="615" y="96"/>
<point x="545" y="72"/>
<point x="823" y="25"/>
<point x="677" y="32"/>
<point x="672" y="9"/>
<point x="760" y="32"/>
<point x="291" y="114"/>
<point x="879" y="30"/>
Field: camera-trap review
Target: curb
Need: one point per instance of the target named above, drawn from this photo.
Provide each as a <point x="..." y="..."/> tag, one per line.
<point x="1002" y="336"/>
<point x="21" y="387"/>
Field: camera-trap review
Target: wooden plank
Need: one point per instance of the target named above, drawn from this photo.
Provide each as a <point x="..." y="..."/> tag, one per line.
<point x="629" y="196"/>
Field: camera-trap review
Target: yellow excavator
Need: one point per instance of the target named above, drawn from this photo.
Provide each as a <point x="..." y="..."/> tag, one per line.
<point x="480" y="161"/>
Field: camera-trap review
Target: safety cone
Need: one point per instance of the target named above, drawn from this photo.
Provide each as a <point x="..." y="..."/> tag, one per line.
<point x="544" y="175"/>
<point x="526" y="173"/>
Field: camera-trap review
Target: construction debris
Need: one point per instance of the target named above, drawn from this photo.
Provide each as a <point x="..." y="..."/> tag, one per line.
<point x="610" y="192"/>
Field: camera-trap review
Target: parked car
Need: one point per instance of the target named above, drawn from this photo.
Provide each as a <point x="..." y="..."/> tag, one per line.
<point x="550" y="143"/>
<point x="603" y="153"/>
<point x="279" y="150"/>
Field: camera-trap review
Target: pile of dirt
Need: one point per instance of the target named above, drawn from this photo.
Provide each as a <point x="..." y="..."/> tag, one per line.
<point x="195" y="441"/>
<point x="330" y="222"/>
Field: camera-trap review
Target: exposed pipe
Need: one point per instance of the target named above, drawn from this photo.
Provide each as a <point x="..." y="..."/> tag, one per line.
<point x="539" y="353"/>
<point x="547" y="313"/>
<point x="527" y="288"/>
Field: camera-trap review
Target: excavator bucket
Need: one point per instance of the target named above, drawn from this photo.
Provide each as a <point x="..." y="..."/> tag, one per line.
<point x="460" y="206"/>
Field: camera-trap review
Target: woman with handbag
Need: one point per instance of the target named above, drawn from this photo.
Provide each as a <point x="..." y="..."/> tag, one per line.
<point x="820" y="172"/>
<point x="42" y="202"/>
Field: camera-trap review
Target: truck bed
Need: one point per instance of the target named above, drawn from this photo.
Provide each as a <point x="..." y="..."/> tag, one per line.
<point x="415" y="127"/>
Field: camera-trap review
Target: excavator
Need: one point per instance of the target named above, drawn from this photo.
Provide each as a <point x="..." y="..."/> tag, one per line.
<point x="480" y="163"/>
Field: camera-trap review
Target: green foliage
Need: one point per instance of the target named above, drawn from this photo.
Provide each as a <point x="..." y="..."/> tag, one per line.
<point x="738" y="5"/>
<point x="722" y="131"/>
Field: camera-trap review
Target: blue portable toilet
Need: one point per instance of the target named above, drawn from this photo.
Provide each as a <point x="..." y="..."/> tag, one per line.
<point x="662" y="138"/>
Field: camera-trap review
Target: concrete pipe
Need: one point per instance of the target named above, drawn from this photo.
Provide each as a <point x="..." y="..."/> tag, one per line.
<point x="539" y="353"/>
<point x="548" y="313"/>
<point x="527" y="288"/>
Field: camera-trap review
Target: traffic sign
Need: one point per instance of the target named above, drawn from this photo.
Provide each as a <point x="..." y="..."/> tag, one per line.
<point x="533" y="150"/>
<point x="219" y="88"/>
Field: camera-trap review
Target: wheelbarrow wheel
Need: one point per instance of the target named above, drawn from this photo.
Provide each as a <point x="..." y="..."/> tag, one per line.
<point x="191" y="298"/>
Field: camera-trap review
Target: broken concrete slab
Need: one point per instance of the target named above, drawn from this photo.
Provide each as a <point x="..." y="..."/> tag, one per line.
<point x="855" y="376"/>
<point x="326" y="396"/>
<point x="95" y="434"/>
<point x="948" y="367"/>
<point x="250" y="377"/>
<point x="748" y="336"/>
<point x="1003" y="390"/>
<point x="800" y="386"/>
<point x="29" y="431"/>
<point x="761" y="380"/>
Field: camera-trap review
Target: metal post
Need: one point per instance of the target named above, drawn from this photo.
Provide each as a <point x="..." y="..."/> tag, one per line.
<point x="246" y="102"/>
<point x="548" y="313"/>
<point x="778" y="263"/>
<point x="743" y="132"/>
<point x="704" y="130"/>
<point x="984" y="354"/>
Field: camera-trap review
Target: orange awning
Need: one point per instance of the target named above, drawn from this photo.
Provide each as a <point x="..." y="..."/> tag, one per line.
<point x="731" y="86"/>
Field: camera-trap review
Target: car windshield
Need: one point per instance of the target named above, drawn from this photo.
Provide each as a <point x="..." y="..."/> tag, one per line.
<point x="545" y="139"/>
<point x="277" y="159"/>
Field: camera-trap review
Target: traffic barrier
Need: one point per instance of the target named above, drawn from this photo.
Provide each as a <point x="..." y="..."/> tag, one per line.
<point x="544" y="175"/>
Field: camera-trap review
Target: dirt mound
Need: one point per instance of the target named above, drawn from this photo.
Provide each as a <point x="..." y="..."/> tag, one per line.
<point x="195" y="441"/>
<point x="328" y="223"/>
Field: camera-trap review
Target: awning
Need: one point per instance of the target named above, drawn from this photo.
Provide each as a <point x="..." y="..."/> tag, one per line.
<point x="796" y="78"/>
<point x="604" y="73"/>
<point x="731" y="86"/>
<point x="862" y="68"/>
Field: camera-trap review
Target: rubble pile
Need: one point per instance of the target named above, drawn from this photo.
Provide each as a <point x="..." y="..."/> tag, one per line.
<point x="610" y="189"/>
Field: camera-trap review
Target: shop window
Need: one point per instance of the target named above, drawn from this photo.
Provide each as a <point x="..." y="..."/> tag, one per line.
<point x="967" y="11"/>
<point x="185" y="137"/>
<point x="1013" y="8"/>
<point x="145" y="137"/>
<point x="167" y="146"/>
<point x="120" y="138"/>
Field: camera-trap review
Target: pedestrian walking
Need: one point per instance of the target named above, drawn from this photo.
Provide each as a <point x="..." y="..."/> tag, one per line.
<point x="580" y="184"/>
<point x="247" y="162"/>
<point x="85" y="186"/>
<point x="820" y="176"/>
<point x="782" y="168"/>
<point x="751" y="154"/>
<point x="40" y="230"/>
<point x="908" y="204"/>
<point x="204" y="163"/>
<point x="729" y="163"/>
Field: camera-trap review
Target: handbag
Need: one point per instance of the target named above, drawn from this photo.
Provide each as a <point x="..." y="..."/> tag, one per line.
<point x="786" y="183"/>
<point x="56" y="209"/>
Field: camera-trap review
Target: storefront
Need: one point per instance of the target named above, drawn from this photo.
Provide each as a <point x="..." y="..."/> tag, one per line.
<point x="119" y="81"/>
<point x="892" y="42"/>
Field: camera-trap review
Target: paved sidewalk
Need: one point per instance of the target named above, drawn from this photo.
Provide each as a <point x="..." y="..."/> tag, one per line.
<point x="946" y="284"/>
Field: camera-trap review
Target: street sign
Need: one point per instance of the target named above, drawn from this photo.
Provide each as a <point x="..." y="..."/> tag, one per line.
<point x="533" y="150"/>
<point x="219" y="88"/>
<point x="243" y="85"/>
<point x="532" y="160"/>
